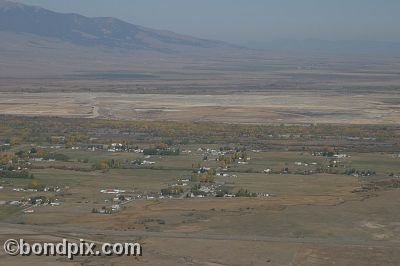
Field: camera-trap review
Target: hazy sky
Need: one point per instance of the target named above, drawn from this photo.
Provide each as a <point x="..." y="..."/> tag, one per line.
<point x="250" y="21"/>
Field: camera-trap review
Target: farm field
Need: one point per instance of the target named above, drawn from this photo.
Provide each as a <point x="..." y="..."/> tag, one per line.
<point x="208" y="133"/>
<point x="305" y="202"/>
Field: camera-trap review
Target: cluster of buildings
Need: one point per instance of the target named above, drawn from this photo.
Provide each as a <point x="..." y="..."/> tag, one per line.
<point x="44" y="189"/>
<point x="29" y="203"/>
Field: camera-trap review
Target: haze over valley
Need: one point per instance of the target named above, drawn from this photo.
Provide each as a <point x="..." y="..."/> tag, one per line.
<point x="263" y="135"/>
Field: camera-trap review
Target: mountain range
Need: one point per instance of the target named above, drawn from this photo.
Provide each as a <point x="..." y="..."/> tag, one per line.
<point x="33" y="38"/>
<point x="99" y="31"/>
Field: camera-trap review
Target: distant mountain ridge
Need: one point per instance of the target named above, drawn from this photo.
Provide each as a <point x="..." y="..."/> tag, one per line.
<point x="330" y="47"/>
<point x="100" y="31"/>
